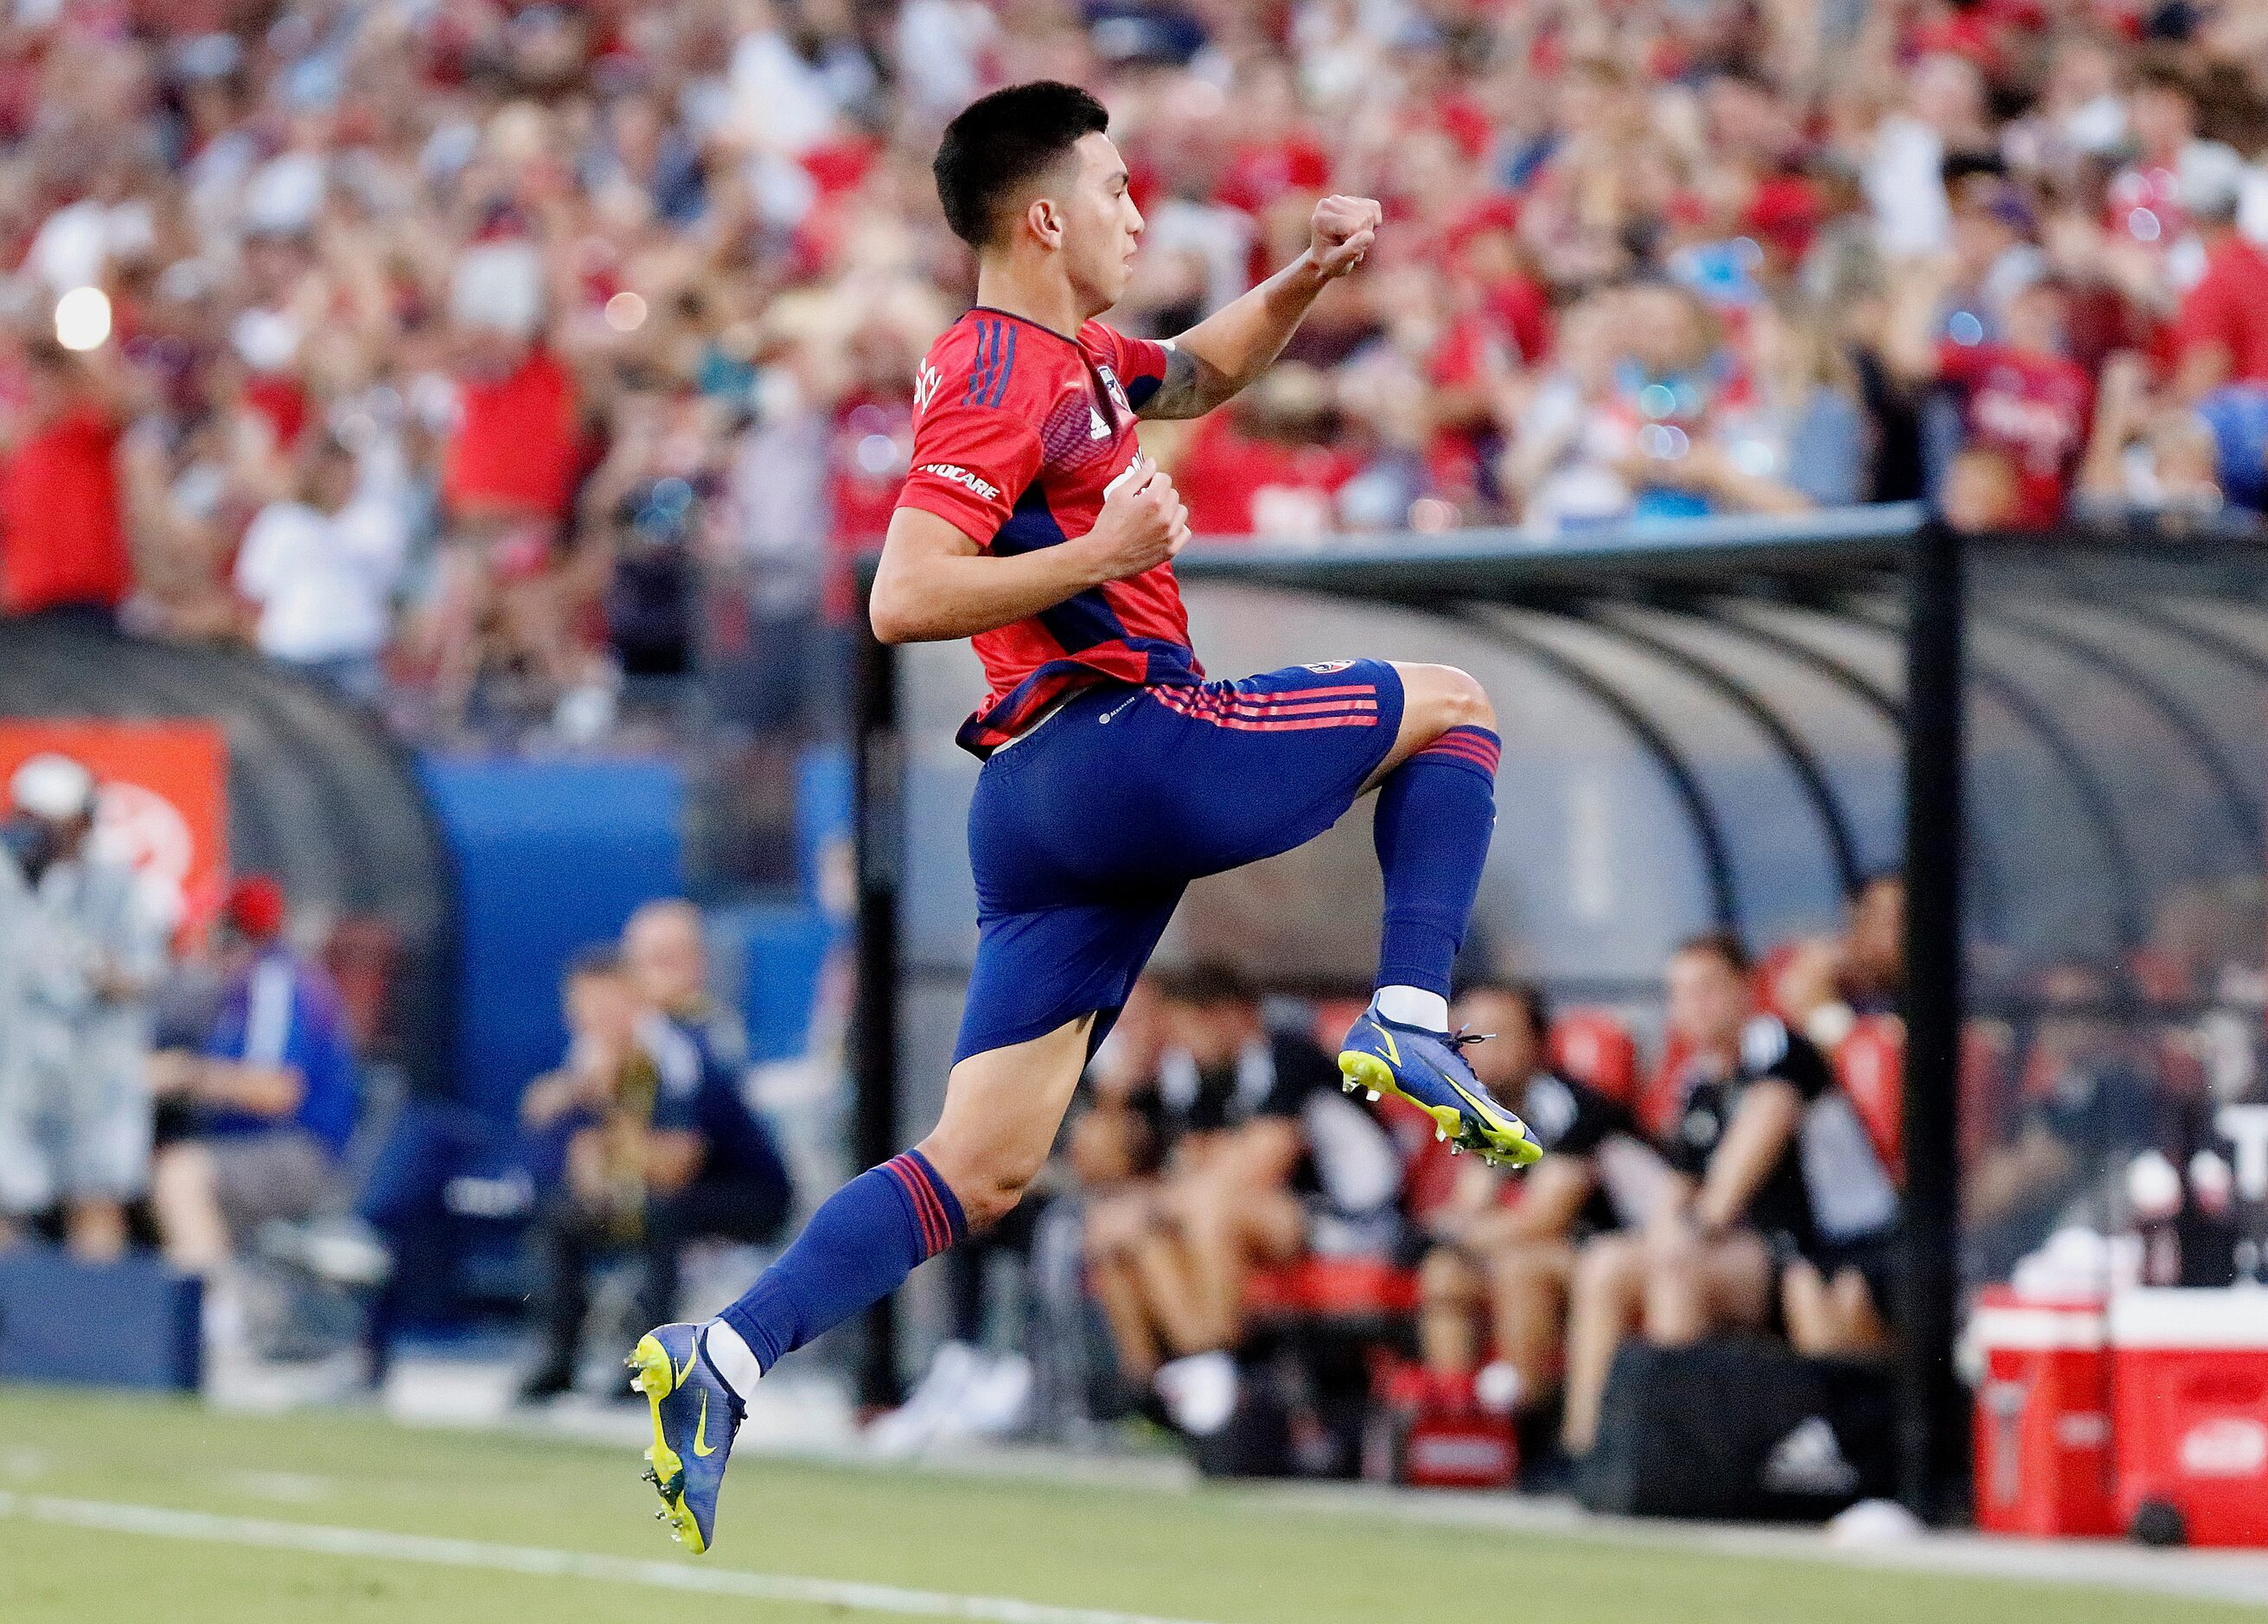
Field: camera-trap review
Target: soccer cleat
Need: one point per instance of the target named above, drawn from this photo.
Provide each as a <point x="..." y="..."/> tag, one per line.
<point x="1429" y="1070"/>
<point x="694" y="1416"/>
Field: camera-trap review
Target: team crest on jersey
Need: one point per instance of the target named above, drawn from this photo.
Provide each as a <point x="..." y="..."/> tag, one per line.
<point x="1325" y="667"/>
<point x="1110" y="382"/>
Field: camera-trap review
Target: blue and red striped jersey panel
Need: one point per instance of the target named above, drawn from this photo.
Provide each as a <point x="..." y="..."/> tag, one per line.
<point x="1017" y="433"/>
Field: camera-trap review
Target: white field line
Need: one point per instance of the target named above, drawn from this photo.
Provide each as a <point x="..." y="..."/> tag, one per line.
<point x="165" y="1522"/>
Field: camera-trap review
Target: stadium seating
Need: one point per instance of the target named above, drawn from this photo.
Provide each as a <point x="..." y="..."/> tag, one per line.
<point x="1594" y="1046"/>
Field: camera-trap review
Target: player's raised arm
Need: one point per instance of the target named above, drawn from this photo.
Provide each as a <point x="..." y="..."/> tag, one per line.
<point x="1237" y="342"/>
<point x="936" y="583"/>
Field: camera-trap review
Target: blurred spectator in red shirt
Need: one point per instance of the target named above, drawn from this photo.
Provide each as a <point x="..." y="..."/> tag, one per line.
<point x="2023" y="399"/>
<point x="63" y="535"/>
<point x="1271" y="464"/>
<point x="513" y="454"/>
<point x="2221" y="333"/>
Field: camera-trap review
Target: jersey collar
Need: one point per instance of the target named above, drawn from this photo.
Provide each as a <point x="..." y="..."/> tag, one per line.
<point x="1037" y="327"/>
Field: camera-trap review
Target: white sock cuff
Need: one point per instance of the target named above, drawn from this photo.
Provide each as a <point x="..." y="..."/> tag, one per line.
<point x="1414" y="1006"/>
<point x="729" y="1355"/>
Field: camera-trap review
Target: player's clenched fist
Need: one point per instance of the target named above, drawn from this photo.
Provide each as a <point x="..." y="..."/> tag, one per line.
<point x="1341" y="233"/>
<point x="1142" y="522"/>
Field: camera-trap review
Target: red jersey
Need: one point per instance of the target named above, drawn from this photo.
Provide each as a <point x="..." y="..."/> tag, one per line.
<point x="2032" y="409"/>
<point x="63" y="538"/>
<point x="1017" y="433"/>
<point x="2226" y="308"/>
<point x="514" y="447"/>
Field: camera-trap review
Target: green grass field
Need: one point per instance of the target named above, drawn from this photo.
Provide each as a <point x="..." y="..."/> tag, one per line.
<point x="235" y="1488"/>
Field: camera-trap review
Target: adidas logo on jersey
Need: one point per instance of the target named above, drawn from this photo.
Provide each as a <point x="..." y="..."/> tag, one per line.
<point x="984" y="488"/>
<point x="1097" y="428"/>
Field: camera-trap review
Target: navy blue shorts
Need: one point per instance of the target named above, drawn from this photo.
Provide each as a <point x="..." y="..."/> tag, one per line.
<point x="1084" y="831"/>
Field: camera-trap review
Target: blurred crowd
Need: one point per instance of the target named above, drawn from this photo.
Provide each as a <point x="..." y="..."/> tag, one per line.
<point x="499" y="359"/>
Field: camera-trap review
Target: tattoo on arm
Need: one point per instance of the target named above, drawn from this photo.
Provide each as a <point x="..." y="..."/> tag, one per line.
<point x="1190" y="388"/>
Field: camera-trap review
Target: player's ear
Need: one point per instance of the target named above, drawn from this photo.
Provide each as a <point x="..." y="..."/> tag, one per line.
<point x="1046" y="219"/>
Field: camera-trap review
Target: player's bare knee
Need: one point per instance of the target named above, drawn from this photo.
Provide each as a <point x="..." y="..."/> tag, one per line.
<point x="1465" y="702"/>
<point x="1439" y="698"/>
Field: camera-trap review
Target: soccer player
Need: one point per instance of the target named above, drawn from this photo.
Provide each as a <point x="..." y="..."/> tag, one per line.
<point x="1115" y="774"/>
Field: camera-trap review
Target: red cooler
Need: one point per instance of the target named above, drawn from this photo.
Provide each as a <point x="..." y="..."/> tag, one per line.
<point x="2043" y="1416"/>
<point x="2190" y="1370"/>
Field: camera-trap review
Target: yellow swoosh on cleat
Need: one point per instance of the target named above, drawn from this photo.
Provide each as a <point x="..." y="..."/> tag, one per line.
<point x="701" y="1445"/>
<point x="678" y="1380"/>
<point x="1392" y="1053"/>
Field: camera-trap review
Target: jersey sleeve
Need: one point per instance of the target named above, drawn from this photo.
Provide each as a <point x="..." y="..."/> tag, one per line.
<point x="1768" y="1049"/>
<point x="970" y="464"/>
<point x="1302" y="1072"/>
<point x="1140" y="365"/>
<point x="1569" y="1118"/>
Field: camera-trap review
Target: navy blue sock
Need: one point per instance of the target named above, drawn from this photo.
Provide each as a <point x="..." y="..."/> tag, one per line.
<point x="1435" y="813"/>
<point x="859" y="1246"/>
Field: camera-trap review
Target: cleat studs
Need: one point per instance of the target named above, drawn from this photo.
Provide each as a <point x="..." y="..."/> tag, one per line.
<point x="1440" y="1133"/>
<point x="1346" y="1085"/>
<point x="1371" y="1095"/>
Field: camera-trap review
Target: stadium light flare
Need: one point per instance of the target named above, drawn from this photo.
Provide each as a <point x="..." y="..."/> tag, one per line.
<point x="626" y="312"/>
<point x="82" y="319"/>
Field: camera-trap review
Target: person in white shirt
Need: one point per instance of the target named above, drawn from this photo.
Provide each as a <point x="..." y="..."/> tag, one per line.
<point x="320" y="569"/>
<point x="84" y="945"/>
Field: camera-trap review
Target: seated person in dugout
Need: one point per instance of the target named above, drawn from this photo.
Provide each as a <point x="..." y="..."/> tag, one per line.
<point x="657" y="1147"/>
<point x="1775" y="1181"/>
<point x="1260" y="1157"/>
<point x="1503" y="1249"/>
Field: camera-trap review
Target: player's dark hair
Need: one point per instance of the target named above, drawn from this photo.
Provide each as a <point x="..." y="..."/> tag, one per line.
<point x="1534" y="1006"/>
<point x="1720" y="944"/>
<point x="999" y="142"/>
<point x="1204" y="984"/>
